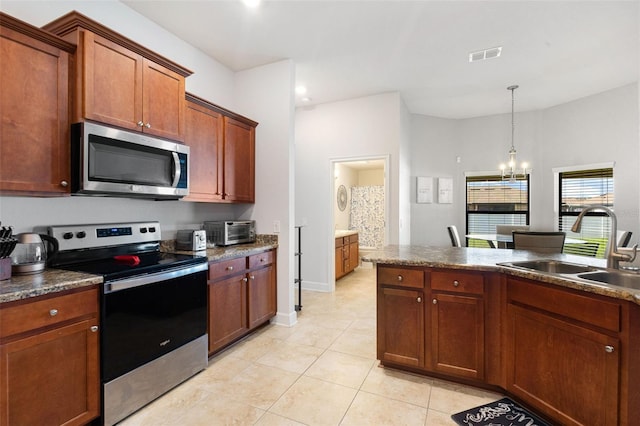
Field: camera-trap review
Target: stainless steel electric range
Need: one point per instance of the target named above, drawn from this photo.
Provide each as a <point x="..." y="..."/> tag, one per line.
<point x="153" y="310"/>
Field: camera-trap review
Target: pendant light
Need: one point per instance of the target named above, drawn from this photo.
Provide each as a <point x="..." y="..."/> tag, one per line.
<point x="510" y="171"/>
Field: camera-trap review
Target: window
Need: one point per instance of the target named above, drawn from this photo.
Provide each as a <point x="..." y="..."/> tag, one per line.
<point x="492" y="201"/>
<point x="578" y="189"/>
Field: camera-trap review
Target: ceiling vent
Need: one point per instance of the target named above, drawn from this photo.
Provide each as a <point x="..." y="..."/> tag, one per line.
<point x="481" y="55"/>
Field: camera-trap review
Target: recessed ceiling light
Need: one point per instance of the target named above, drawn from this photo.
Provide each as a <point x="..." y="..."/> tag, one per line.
<point x="481" y="55"/>
<point x="251" y="3"/>
<point x="301" y="90"/>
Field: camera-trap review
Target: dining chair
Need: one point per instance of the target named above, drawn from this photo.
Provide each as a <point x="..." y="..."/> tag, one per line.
<point x="455" y="237"/>
<point x="542" y="242"/>
<point x="507" y="230"/>
<point x="623" y="238"/>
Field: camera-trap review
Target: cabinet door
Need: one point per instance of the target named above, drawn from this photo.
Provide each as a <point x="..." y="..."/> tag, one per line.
<point x="400" y="326"/>
<point x="262" y="296"/>
<point x="353" y="256"/>
<point x="457" y="335"/>
<point x="163" y="103"/>
<point x="339" y="262"/>
<point x="566" y="371"/>
<point x="34" y="93"/>
<point x="112" y="83"/>
<point x="58" y="371"/>
<point x="239" y="161"/>
<point x="227" y="311"/>
<point x="203" y="135"/>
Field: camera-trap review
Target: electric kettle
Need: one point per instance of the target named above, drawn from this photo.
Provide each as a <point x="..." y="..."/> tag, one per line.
<point x="31" y="252"/>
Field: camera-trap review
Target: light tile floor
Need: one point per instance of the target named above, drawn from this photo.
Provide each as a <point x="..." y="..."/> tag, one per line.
<point x="322" y="371"/>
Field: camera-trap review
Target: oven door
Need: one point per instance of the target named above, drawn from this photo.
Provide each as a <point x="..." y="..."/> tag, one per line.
<point x="146" y="317"/>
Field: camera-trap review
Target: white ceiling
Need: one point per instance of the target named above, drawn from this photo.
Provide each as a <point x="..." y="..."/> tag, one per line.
<point x="556" y="51"/>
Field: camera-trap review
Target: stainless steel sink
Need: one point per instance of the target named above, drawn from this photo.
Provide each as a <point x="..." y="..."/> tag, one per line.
<point x="551" y="266"/>
<point x="621" y="279"/>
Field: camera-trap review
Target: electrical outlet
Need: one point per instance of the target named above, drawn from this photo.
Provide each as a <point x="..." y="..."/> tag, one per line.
<point x="276" y="226"/>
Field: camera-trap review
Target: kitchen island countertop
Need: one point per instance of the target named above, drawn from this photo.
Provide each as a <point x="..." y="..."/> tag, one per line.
<point x="487" y="259"/>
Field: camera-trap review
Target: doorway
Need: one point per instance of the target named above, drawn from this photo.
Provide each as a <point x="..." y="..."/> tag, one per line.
<point x="360" y="201"/>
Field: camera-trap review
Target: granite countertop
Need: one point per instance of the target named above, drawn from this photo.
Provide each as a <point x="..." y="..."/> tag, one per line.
<point x="345" y="232"/>
<point x="487" y="259"/>
<point x="263" y="242"/>
<point x="20" y="287"/>
<point x="55" y="280"/>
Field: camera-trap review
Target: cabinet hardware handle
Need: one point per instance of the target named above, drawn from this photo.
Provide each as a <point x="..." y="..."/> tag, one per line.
<point x="148" y="125"/>
<point x="245" y="279"/>
<point x="140" y="123"/>
<point x="434" y="301"/>
<point x="253" y="277"/>
<point x="419" y="299"/>
<point x="608" y="349"/>
<point x="399" y="277"/>
<point x="456" y="283"/>
<point x="229" y="268"/>
<point x="94" y="328"/>
<point x="261" y="260"/>
<point x="64" y="184"/>
<point x="53" y="312"/>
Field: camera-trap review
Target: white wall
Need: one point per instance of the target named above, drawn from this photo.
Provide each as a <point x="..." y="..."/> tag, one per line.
<point x="360" y="127"/>
<point x="272" y="106"/>
<point x="596" y="129"/>
<point x="348" y="177"/>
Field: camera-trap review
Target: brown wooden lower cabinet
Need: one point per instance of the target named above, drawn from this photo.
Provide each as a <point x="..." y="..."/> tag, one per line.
<point x="569" y="355"/>
<point x="347" y="255"/>
<point x="242" y="296"/>
<point x="49" y="357"/>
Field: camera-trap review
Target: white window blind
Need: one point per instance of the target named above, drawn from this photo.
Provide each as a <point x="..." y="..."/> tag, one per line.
<point x="577" y="190"/>
<point x="492" y="201"/>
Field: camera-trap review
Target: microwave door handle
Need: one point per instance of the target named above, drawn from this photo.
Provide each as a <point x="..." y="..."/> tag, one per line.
<point x="177" y="170"/>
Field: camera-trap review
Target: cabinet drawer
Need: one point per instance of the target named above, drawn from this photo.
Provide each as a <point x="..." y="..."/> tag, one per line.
<point x="227" y="267"/>
<point x="261" y="259"/>
<point x="401" y="277"/>
<point x="585" y="308"/>
<point x="339" y="242"/>
<point x="33" y="315"/>
<point x="353" y="238"/>
<point x="459" y="282"/>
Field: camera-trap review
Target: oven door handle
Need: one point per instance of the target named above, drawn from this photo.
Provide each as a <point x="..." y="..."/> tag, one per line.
<point x="127" y="283"/>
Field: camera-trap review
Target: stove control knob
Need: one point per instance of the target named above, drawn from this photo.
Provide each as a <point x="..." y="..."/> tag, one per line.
<point x="152" y="229"/>
<point x="81" y="234"/>
<point x="67" y="235"/>
<point x="143" y="230"/>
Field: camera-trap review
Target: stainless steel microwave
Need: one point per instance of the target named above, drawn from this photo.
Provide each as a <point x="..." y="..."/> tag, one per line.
<point x="110" y="161"/>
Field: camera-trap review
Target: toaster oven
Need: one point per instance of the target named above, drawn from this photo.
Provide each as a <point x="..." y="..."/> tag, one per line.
<point x="229" y="232"/>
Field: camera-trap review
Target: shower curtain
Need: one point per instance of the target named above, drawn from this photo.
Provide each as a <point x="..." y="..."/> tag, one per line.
<point x="367" y="215"/>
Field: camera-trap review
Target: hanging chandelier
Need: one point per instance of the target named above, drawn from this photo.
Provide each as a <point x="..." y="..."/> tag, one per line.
<point x="510" y="170"/>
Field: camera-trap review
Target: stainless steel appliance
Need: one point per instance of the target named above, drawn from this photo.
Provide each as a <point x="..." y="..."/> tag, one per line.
<point x="192" y="240"/>
<point x="229" y="232"/>
<point x="31" y="252"/>
<point x="153" y="310"/>
<point x="110" y="161"/>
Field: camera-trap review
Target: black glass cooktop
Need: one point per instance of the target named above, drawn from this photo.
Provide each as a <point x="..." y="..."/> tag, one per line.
<point x="122" y="266"/>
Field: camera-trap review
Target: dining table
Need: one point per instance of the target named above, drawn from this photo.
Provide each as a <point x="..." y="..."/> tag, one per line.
<point x="506" y="240"/>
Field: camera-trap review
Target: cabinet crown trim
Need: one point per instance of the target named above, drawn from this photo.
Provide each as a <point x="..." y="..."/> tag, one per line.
<point x="7" y="21"/>
<point x="72" y="20"/>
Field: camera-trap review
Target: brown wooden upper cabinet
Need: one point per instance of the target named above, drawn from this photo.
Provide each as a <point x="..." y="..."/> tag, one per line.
<point x="122" y="83"/>
<point x="34" y="85"/>
<point x="222" y="160"/>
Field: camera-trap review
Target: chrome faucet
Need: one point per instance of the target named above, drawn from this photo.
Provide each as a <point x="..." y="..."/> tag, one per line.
<point x="612" y="255"/>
